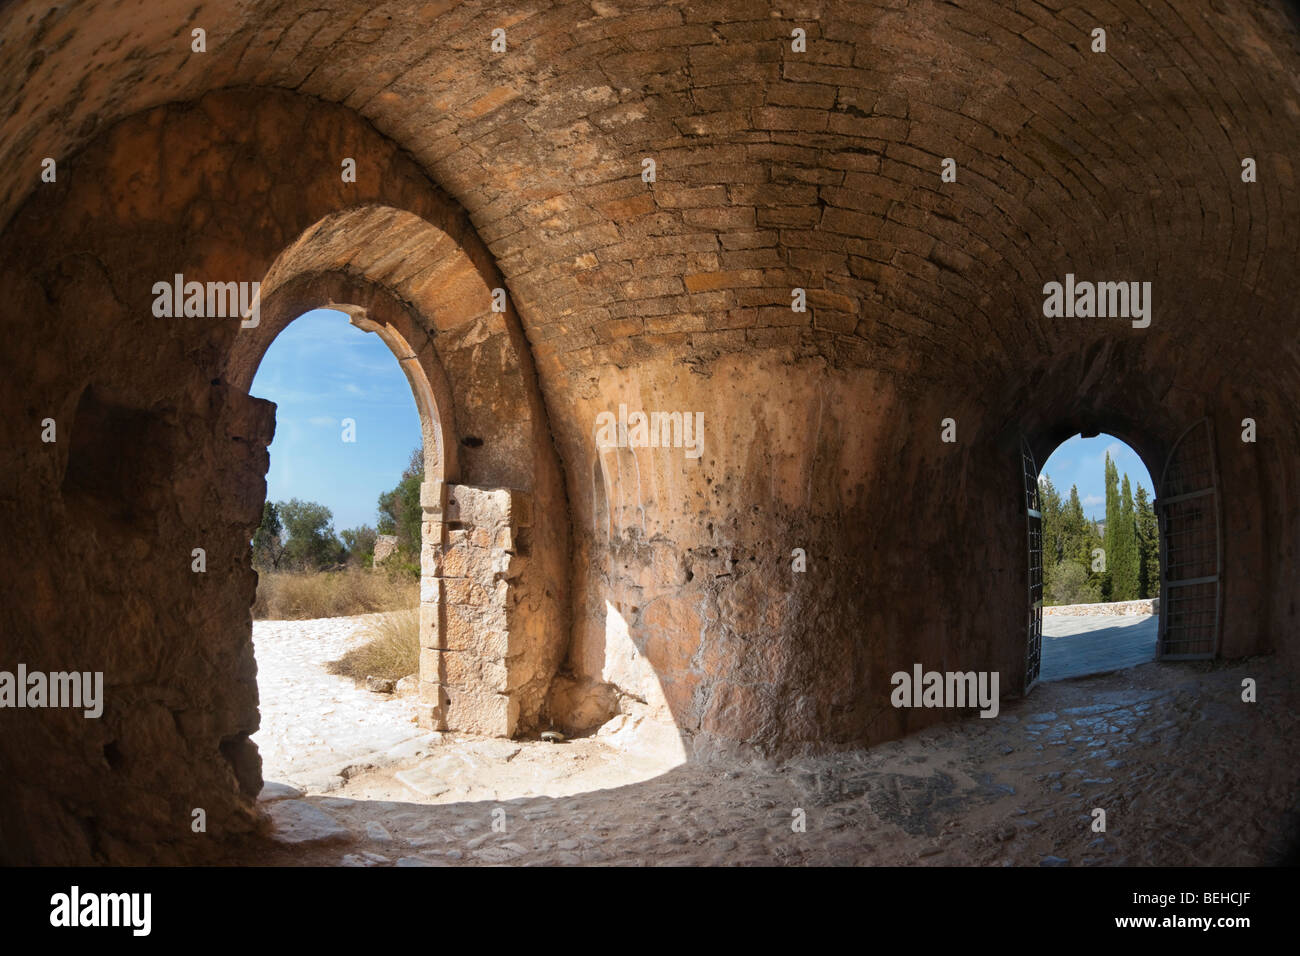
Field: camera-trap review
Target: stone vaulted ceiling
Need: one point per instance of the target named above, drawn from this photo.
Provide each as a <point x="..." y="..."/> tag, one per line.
<point x="658" y="584"/>
<point x="775" y="169"/>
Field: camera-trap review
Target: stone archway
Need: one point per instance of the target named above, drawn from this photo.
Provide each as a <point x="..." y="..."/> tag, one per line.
<point x="808" y="171"/>
<point x="487" y="658"/>
<point x="1106" y="631"/>
<point x="175" y="645"/>
<point x="1127" y="391"/>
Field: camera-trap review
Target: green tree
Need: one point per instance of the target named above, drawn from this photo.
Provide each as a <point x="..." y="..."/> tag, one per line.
<point x="1076" y="529"/>
<point x="1052" y="510"/>
<point x="1148" y="540"/>
<point x="1050" y="507"/>
<point x="1123" y="562"/>
<point x="360" y="545"/>
<point x="312" y="544"/>
<point x="1071" y="585"/>
<point x="399" y="510"/>
<point x="1112" y="527"/>
<point x="1094" y="550"/>
<point x="268" y="543"/>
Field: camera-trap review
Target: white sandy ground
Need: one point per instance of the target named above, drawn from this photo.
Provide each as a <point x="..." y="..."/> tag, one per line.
<point x="1188" y="774"/>
<point x="315" y="723"/>
<point x="319" y="729"/>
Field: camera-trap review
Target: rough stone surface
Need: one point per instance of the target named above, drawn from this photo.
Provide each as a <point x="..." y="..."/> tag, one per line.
<point x="385" y="546"/>
<point x="650" y="583"/>
<point x="272" y="791"/>
<point x="1158" y="747"/>
<point x="482" y="650"/>
<point x="297" y="821"/>
<point x="1105" y="609"/>
<point x="380" y="685"/>
<point x="317" y="727"/>
<point x="1092" y="644"/>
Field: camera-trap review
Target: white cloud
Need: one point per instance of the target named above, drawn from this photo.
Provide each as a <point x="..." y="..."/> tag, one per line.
<point x="1091" y="500"/>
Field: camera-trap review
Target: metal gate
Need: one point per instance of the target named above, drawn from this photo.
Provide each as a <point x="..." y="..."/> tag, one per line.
<point x="1034" y="643"/>
<point x="1190" y="560"/>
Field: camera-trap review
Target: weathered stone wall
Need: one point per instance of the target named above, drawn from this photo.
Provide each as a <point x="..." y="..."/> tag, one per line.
<point x="1105" y="609"/>
<point x="160" y="450"/>
<point x="486" y="664"/>
<point x="670" y="577"/>
<point x="385" y="547"/>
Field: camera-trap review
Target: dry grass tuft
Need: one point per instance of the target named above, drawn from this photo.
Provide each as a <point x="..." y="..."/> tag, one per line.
<point x="295" y="596"/>
<point x="393" y="648"/>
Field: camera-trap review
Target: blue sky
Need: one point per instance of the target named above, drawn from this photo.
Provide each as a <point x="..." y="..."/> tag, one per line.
<point x="319" y="371"/>
<point x="1082" y="462"/>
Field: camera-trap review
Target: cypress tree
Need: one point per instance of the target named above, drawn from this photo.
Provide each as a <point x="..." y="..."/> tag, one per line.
<point x="1112" y="525"/>
<point x="1148" y="536"/>
<point x="1124" y="570"/>
<point x="1076" y="529"/>
<point x="1049" y="505"/>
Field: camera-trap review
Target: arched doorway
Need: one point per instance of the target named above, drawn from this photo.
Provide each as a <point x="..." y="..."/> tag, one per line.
<point x="1135" y="583"/>
<point x="335" y="628"/>
<point x="494" y="560"/>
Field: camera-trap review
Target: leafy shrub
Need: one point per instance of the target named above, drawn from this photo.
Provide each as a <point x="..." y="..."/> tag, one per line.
<point x="1070" y="585"/>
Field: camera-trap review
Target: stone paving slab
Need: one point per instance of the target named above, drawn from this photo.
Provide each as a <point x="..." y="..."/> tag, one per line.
<point x="317" y="726"/>
<point x="1075" y="645"/>
<point x="297" y="822"/>
<point x="1188" y="777"/>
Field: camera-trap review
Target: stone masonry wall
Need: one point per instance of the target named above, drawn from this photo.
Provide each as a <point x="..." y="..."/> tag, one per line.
<point x="1105" y="609"/>
<point x="481" y="668"/>
<point x="385" y="545"/>
<point x="664" y="584"/>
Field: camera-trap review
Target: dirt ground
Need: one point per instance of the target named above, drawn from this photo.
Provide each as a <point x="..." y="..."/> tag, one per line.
<point x="1186" y="772"/>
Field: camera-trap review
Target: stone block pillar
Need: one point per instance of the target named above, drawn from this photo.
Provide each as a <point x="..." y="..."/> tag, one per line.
<point x="473" y="554"/>
<point x="431" y="712"/>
